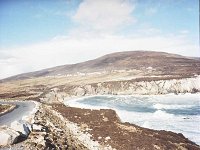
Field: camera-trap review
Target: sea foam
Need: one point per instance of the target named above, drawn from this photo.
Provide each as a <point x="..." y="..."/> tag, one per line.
<point x="177" y="113"/>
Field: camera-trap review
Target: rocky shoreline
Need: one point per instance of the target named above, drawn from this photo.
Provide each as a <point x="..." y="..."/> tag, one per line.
<point x="106" y="128"/>
<point x="147" y="86"/>
<point x="52" y="134"/>
<point x="56" y="126"/>
<point x="62" y="127"/>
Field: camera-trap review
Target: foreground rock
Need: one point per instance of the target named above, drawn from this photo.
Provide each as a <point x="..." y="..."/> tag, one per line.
<point x="59" y="127"/>
<point x="49" y="132"/>
<point x="8" y="136"/>
<point x="18" y="130"/>
<point x="22" y="127"/>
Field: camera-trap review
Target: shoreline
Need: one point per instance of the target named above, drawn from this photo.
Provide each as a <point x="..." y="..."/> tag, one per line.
<point x="126" y="95"/>
<point x="106" y="128"/>
<point x="120" y="113"/>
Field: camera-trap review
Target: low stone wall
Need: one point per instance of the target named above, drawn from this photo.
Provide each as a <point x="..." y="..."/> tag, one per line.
<point x="78" y="139"/>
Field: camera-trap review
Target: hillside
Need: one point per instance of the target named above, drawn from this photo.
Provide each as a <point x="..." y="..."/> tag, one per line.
<point x="159" y="63"/>
<point x="124" y="73"/>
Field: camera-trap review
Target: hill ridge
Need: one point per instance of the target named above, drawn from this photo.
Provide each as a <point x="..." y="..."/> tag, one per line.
<point x="162" y="62"/>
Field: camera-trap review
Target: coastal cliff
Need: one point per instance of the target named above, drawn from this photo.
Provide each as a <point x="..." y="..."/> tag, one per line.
<point x="128" y="87"/>
<point x="148" y="87"/>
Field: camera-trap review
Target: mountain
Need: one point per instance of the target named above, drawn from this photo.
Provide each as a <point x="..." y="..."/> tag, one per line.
<point x="160" y="63"/>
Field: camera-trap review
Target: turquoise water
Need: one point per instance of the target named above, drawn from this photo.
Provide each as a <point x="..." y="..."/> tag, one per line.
<point x="177" y="113"/>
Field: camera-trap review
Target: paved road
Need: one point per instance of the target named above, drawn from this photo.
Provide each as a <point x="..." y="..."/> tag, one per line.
<point x="22" y="109"/>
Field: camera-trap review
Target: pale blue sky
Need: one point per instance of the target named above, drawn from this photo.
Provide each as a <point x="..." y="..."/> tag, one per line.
<point x="30" y="21"/>
<point x="62" y="29"/>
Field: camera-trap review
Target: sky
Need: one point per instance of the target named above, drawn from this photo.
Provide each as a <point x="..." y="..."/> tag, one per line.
<point x="37" y="34"/>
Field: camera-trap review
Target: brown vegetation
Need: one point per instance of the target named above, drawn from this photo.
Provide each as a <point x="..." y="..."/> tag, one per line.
<point x="161" y="63"/>
<point x="4" y="107"/>
<point x="105" y="127"/>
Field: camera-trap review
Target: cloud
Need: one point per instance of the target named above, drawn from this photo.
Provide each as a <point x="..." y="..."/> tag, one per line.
<point x="94" y="35"/>
<point x="103" y="15"/>
<point x="66" y="50"/>
<point x="184" y="31"/>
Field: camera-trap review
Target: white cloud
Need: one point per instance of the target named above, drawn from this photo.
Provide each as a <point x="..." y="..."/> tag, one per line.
<point x="103" y="15"/>
<point x="65" y="50"/>
<point x="97" y="21"/>
<point x="184" y="31"/>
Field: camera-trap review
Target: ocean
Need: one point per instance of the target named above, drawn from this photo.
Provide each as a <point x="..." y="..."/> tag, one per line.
<point x="177" y="113"/>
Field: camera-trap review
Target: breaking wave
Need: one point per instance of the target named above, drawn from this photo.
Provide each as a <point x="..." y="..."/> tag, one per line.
<point x="172" y="106"/>
<point x="177" y="113"/>
<point x="162" y="115"/>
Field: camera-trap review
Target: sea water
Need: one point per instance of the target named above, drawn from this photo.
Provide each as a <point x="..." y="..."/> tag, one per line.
<point x="177" y="113"/>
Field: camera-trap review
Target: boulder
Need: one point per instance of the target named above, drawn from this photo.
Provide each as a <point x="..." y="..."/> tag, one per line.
<point x="22" y="128"/>
<point x="79" y="91"/>
<point x="40" y="140"/>
<point x="29" y="126"/>
<point x="8" y="136"/>
<point x="29" y="119"/>
<point x="37" y="127"/>
<point x="90" y="89"/>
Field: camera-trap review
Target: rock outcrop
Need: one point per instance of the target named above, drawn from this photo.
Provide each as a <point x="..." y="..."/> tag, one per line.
<point x="22" y="127"/>
<point x="144" y="86"/>
<point x="8" y="136"/>
<point x="148" y="87"/>
<point x="53" y="96"/>
<point x="50" y="132"/>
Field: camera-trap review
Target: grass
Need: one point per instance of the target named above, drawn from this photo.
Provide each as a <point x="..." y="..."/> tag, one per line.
<point x="4" y="107"/>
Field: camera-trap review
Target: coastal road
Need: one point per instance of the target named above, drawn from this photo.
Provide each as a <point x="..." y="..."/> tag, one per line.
<point x="22" y="109"/>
